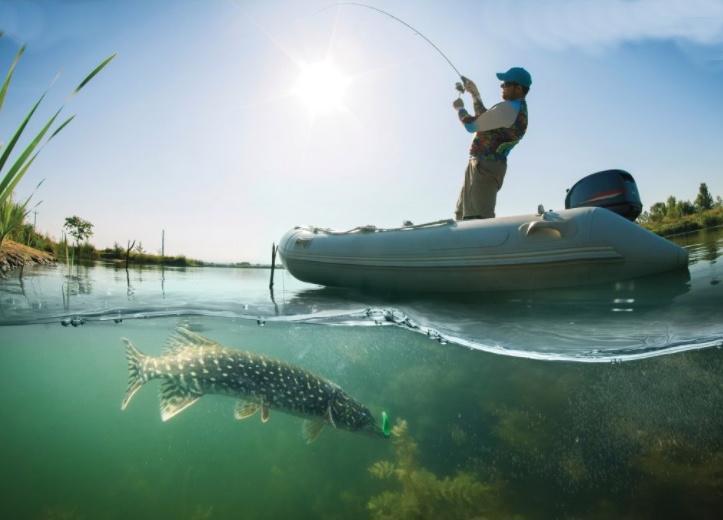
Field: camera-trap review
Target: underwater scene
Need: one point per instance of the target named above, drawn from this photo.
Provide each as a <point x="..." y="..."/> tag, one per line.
<point x="594" y="402"/>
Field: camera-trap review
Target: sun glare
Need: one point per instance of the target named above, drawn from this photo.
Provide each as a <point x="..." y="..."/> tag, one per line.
<point x="321" y="87"/>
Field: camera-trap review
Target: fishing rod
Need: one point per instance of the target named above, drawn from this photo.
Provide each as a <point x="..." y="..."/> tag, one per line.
<point x="460" y="85"/>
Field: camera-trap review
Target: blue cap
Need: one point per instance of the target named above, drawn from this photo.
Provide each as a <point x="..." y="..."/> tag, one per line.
<point x="516" y="75"/>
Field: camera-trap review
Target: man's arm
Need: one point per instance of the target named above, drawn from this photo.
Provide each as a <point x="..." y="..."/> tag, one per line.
<point x="502" y="115"/>
<point x="479" y="107"/>
<point x="462" y="113"/>
<point x="471" y="87"/>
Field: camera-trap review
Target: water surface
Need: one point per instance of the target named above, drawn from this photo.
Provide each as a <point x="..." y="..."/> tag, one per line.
<point x="578" y="403"/>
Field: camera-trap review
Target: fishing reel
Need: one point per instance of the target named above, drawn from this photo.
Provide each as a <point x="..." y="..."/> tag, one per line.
<point x="460" y="87"/>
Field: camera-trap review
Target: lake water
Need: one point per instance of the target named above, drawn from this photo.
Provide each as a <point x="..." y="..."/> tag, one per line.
<point x="602" y="402"/>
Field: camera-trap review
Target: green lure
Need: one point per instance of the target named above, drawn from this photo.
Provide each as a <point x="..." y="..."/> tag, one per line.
<point x="386" y="430"/>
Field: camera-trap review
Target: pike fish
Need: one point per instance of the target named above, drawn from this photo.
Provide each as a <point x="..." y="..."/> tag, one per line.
<point x="193" y="366"/>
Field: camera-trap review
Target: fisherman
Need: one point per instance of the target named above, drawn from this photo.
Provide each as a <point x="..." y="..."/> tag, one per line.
<point x="497" y="131"/>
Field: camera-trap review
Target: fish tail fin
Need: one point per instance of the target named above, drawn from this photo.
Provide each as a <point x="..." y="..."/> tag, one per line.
<point x="135" y="371"/>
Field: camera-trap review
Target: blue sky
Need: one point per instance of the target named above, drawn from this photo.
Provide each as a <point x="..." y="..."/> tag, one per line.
<point x="194" y="127"/>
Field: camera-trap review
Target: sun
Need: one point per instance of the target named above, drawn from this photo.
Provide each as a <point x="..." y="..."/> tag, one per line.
<point x="321" y="88"/>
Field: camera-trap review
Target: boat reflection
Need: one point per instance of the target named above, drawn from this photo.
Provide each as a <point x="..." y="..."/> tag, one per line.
<point x="640" y="294"/>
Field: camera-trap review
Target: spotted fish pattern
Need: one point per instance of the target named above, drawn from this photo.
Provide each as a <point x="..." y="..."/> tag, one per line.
<point x="193" y="366"/>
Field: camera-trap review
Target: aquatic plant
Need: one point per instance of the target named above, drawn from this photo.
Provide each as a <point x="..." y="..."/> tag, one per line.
<point x="424" y="494"/>
<point x="12" y="214"/>
<point x="10" y="177"/>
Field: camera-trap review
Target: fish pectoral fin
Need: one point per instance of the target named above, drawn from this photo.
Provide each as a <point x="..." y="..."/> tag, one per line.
<point x="175" y="399"/>
<point x="331" y="417"/>
<point x="264" y="413"/>
<point x="310" y="430"/>
<point x="244" y="410"/>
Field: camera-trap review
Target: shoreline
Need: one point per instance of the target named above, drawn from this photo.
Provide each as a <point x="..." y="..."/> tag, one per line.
<point x="14" y="255"/>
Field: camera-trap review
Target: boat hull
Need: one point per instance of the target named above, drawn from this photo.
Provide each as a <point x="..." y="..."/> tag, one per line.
<point x="573" y="247"/>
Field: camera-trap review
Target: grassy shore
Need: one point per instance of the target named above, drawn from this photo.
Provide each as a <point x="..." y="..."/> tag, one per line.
<point x="14" y="254"/>
<point x="148" y="259"/>
<point x="685" y="223"/>
<point x="135" y="258"/>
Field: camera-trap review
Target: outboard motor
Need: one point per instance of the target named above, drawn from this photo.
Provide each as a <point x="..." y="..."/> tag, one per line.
<point x="611" y="189"/>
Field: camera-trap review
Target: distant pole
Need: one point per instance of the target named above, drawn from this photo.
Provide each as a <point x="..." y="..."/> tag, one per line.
<point x="163" y="253"/>
<point x="35" y="219"/>
<point x="273" y="265"/>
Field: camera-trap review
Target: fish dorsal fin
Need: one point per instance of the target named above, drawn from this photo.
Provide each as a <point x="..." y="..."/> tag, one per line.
<point x="183" y="339"/>
<point x="264" y="413"/>
<point x="310" y="430"/>
<point x="175" y="399"/>
<point x="244" y="410"/>
<point x="194" y="339"/>
<point x="174" y="345"/>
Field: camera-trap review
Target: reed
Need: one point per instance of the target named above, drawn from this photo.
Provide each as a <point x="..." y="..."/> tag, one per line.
<point x="11" y="172"/>
<point x="12" y="214"/>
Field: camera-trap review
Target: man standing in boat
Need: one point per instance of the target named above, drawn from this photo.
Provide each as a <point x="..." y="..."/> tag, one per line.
<point x="497" y="131"/>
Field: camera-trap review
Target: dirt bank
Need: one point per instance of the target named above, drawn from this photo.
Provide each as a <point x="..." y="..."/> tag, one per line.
<point x="14" y="255"/>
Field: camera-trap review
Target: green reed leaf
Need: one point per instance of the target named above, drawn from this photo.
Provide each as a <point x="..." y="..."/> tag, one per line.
<point x="8" y="77"/>
<point x="62" y="125"/>
<point x="16" y="136"/>
<point x="93" y="73"/>
<point x="17" y="170"/>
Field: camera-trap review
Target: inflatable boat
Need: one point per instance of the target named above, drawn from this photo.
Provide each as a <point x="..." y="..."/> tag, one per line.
<point x="594" y="240"/>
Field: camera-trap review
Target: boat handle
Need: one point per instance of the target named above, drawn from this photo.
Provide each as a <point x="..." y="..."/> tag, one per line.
<point x="542" y="224"/>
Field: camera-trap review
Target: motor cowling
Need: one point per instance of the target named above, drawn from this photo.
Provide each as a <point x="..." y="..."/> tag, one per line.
<point x="614" y="190"/>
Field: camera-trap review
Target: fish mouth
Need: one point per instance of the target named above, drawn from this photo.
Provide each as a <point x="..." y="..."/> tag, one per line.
<point x="373" y="430"/>
<point x="379" y="430"/>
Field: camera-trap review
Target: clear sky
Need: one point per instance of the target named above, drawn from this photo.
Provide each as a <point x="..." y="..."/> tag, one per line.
<point x="201" y="126"/>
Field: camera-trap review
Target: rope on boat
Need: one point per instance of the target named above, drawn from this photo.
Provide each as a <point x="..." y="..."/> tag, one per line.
<point x="370" y="228"/>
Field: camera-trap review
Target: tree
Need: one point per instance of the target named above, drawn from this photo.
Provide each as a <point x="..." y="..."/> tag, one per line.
<point x="658" y="211"/>
<point x="685" y="207"/>
<point x="704" y="200"/>
<point x="78" y="228"/>
<point x="672" y="207"/>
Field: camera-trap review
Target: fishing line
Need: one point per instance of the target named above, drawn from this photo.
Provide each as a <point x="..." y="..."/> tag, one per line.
<point x="415" y="31"/>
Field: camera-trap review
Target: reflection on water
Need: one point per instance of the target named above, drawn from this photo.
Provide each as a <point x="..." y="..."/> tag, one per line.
<point x="703" y="246"/>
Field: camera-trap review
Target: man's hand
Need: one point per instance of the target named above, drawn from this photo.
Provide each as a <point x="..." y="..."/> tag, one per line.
<point x="458" y="104"/>
<point x="470" y="87"/>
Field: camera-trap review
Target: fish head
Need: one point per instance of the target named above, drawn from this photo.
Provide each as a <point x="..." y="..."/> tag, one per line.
<point x="347" y="413"/>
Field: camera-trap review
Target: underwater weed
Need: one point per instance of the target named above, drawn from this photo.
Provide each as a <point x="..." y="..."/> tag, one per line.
<point x="424" y="494"/>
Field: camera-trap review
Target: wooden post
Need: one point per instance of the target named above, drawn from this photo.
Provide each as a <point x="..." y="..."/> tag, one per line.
<point x="273" y="265"/>
<point x="128" y="252"/>
<point x="163" y="245"/>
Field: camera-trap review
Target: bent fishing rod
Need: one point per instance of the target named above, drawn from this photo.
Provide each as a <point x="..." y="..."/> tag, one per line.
<point x="459" y="85"/>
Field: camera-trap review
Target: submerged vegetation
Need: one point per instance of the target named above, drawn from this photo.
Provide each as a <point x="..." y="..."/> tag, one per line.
<point x="422" y="494"/>
<point x="680" y="216"/>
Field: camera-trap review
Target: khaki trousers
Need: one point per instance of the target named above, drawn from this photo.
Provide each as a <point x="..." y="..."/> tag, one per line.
<point x="482" y="181"/>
